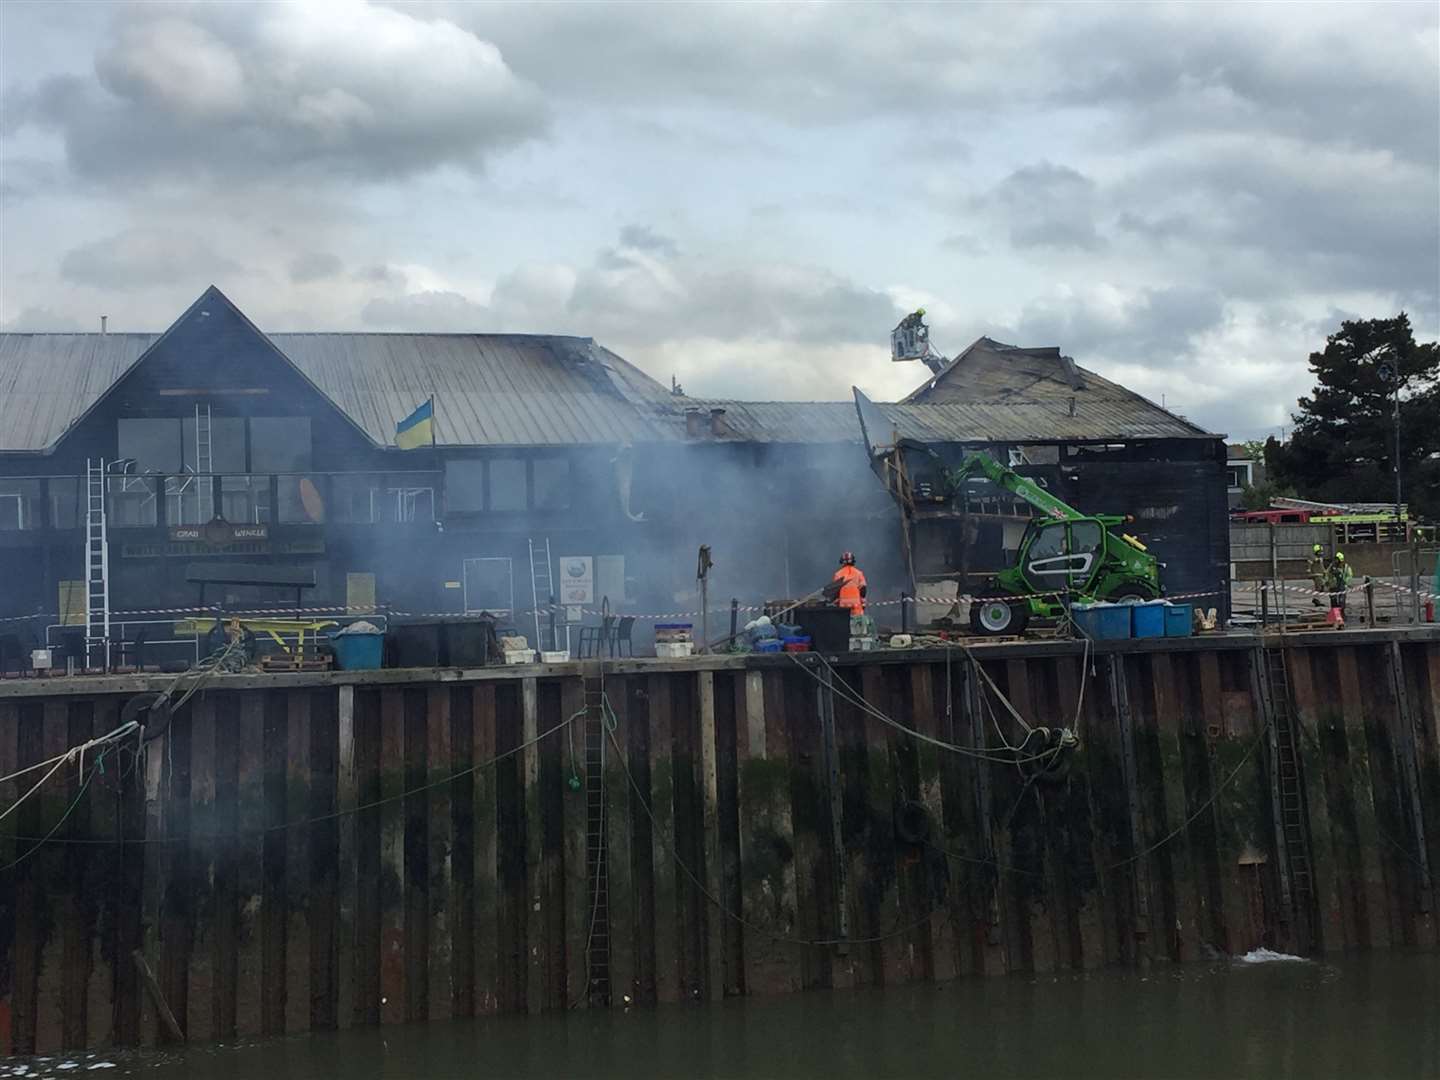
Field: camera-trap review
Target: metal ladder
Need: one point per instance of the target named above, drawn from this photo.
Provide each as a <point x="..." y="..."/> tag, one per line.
<point x="97" y="564"/>
<point x="204" y="464"/>
<point x="1288" y="784"/>
<point x="542" y="583"/>
<point x="597" y="846"/>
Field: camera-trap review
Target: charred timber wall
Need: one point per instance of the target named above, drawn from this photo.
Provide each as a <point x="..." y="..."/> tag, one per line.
<point x="311" y="852"/>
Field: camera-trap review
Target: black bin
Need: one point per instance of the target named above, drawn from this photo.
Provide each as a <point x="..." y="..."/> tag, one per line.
<point x="828" y="627"/>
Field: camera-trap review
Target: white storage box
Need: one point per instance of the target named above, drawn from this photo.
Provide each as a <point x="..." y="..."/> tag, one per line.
<point x="519" y="656"/>
<point x="863" y="644"/>
<point x="42" y="659"/>
<point x="674" y="650"/>
<point x="554" y="656"/>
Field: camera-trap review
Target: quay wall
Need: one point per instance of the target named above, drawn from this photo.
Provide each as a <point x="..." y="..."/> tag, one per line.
<point x="319" y="851"/>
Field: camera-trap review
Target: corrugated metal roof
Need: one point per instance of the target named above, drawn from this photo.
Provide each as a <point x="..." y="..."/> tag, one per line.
<point x="490" y="389"/>
<point x="995" y="373"/>
<point x="47" y="381"/>
<point x="538" y="390"/>
<point x="974" y="422"/>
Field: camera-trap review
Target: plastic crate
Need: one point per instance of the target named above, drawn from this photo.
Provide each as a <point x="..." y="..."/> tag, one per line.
<point x="358" y="651"/>
<point x="1147" y="620"/>
<point x="1179" y="620"/>
<point x="1103" y="622"/>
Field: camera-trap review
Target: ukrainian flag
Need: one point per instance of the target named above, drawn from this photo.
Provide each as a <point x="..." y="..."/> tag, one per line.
<point x="417" y="429"/>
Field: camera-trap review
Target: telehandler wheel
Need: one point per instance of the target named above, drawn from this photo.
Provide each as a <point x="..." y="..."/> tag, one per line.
<point x="1129" y="594"/>
<point x="998" y="618"/>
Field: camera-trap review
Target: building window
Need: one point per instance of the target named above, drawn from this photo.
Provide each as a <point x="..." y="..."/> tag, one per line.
<point x="465" y="486"/>
<point x="227" y="445"/>
<point x="19" y="504"/>
<point x="245" y="500"/>
<point x="1238" y="476"/>
<point x="153" y="444"/>
<point x="64" y="502"/>
<point x="551" y="483"/>
<point x="279" y="444"/>
<point x="132" y="501"/>
<point x="507" y="484"/>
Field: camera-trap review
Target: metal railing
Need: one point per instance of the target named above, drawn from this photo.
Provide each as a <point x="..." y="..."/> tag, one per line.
<point x="154" y="500"/>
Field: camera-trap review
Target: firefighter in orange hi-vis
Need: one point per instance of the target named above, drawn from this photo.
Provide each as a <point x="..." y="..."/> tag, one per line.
<point x="851" y="580"/>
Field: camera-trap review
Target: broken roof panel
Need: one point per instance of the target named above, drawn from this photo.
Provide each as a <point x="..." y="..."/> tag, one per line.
<point x="974" y="422"/>
<point x="991" y="372"/>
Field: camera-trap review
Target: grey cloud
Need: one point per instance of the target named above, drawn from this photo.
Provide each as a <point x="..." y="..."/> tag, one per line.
<point x="270" y="90"/>
<point x="436" y="312"/>
<point x="310" y="266"/>
<point x="643" y="301"/>
<point x="1155" y="327"/>
<point x="1344" y="74"/>
<point x="39" y="320"/>
<point x="1289" y="218"/>
<point x="644" y="238"/>
<point x="647" y="299"/>
<point x="1047" y="206"/>
<point x="381" y="274"/>
<point x="143" y="258"/>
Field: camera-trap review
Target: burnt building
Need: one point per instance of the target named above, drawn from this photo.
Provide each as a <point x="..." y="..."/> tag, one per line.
<point x="215" y="444"/>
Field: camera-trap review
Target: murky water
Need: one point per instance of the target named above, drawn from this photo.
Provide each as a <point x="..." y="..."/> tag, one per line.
<point x="1352" y="1017"/>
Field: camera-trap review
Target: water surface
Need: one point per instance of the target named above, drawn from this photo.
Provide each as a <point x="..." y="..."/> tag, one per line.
<point x="1352" y="1017"/>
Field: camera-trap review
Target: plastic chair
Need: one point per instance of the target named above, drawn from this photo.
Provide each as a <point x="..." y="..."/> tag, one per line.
<point x="595" y="640"/>
<point x="620" y="643"/>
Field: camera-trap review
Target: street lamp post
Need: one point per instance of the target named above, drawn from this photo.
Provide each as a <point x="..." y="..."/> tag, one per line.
<point x="1390" y="374"/>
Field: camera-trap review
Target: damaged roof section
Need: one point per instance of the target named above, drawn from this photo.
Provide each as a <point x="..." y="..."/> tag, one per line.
<point x="990" y="373"/>
<point x="975" y="422"/>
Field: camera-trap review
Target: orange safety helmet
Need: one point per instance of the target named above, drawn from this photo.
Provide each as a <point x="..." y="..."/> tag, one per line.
<point x="847" y="558"/>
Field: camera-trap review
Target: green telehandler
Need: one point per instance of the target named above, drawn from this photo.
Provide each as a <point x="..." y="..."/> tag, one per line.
<point x="1063" y="554"/>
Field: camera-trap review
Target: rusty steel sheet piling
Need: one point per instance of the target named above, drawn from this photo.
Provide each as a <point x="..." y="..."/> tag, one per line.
<point x="306" y="852"/>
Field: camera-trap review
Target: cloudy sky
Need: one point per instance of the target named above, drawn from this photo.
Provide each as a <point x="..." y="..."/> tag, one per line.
<point x="1186" y="198"/>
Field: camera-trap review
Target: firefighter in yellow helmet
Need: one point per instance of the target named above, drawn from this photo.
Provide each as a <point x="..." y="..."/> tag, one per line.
<point x="1318" y="570"/>
<point x="1339" y="578"/>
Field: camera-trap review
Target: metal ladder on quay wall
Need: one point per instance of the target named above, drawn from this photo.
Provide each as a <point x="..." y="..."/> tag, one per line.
<point x="597" y="846"/>
<point x="1298" y="885"/>
<point x="97" y="565"/>
<point x="542" y="583"/>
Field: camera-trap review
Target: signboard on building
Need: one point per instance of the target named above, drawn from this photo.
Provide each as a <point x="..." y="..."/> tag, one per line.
<point x="577" y="579"/>
<point x="218" y="532"/>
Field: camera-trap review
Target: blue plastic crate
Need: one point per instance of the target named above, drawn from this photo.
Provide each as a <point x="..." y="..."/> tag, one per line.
<point x="1103" y="622"/>
<point x="358" y="651"/>
<point x="1147" y="620"/>
<point x="1179" y="620"/>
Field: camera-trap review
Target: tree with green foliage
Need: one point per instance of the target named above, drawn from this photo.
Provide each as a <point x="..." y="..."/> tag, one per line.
<point x="1260" y="496"/>
<point x="1343" y="444"/>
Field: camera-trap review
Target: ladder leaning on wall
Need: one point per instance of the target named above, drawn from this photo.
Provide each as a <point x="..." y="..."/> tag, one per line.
<point x="97" y="565"/>
<point x="542" y="586"/>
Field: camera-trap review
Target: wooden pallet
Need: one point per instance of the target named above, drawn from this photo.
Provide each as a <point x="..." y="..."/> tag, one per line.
<point x="283" y="662"/>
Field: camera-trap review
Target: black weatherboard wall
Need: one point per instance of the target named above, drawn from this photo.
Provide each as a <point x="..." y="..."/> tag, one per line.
<point x="1176" y="492"/>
